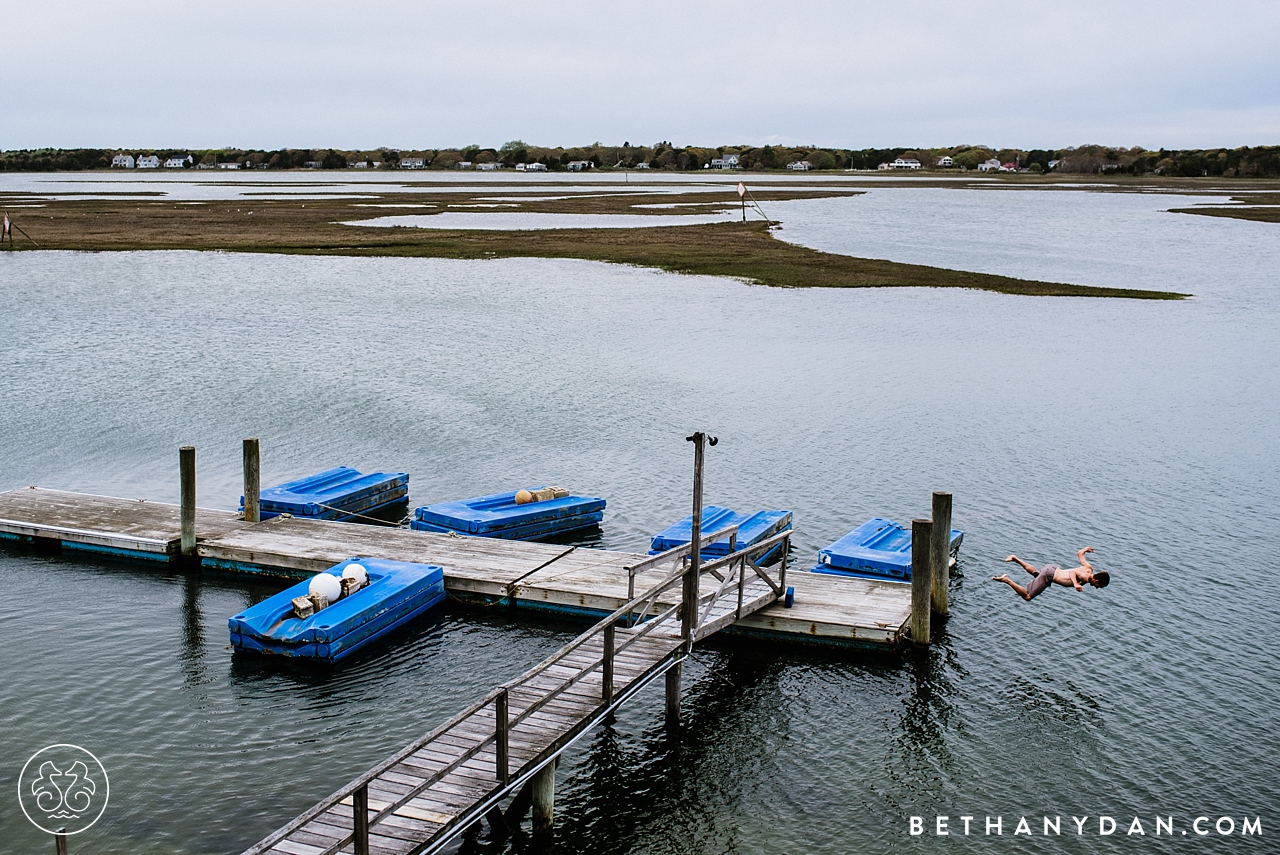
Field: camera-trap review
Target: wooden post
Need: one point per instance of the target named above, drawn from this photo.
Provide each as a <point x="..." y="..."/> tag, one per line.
<point x="689" y="594"/>
<point x="252" y="482"/>
<point x="360" y="817"/>
<point x="500" y="712"/>
<point x="187" y="467"/>
<point x="606" y="676"/>
<point x="921" y="581"/>
<point x="940" y="553"/>
<point x="544" y="800"/>
<point x="59" y="836"/>
<point x="673" y="694"/>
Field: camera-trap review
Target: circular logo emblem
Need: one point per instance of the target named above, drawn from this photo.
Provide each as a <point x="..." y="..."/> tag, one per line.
<point x="63" y="787"/>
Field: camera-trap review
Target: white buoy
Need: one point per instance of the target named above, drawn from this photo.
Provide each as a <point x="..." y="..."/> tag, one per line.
<point x="326" y="585"/>
<point x="357" y="572"/>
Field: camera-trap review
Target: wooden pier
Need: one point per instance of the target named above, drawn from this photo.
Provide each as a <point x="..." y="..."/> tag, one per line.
<point x="572" y="581"/>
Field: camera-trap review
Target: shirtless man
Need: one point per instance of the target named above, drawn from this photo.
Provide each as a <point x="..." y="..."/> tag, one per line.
<point x="1077" y="577"/>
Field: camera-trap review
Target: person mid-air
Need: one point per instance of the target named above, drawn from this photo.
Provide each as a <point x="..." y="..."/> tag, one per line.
<point x="1076" y="577"/>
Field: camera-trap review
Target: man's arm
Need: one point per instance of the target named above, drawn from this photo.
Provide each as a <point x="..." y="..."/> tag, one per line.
<point x="1075" y="580"/>
<point x="1084" y="562"/>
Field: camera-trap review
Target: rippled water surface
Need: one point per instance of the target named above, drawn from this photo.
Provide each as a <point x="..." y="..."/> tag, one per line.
<point x="1145" y="429"/>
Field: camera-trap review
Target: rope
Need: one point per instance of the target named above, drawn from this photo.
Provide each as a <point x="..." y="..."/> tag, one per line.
<point x="402" y="524"/>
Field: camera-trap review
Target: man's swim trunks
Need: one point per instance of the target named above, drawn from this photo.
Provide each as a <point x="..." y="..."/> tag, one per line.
<point x="1043" y="579"/>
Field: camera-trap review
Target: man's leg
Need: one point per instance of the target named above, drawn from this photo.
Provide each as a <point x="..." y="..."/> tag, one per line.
<point x="1021" y="591"/>
<point x="1030" y="568"/>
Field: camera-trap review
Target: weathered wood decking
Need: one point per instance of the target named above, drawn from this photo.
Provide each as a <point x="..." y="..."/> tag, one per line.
<point x="589" y="582"/>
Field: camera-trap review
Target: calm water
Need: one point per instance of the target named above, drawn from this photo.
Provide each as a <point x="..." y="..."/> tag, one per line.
<point x="1144" y="429"/>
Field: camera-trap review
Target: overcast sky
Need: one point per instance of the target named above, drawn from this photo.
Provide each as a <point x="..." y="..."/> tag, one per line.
<point x="849" y="74"/>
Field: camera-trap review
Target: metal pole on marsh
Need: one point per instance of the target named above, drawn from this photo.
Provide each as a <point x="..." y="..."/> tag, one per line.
<point x="921" y="580"/>
<point x="940" y="551"/>
<point x="187" y="471"/>
<point x="252" y="482"/>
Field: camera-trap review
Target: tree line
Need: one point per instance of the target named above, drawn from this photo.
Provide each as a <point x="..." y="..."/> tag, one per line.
<point x="1259" y="162"/>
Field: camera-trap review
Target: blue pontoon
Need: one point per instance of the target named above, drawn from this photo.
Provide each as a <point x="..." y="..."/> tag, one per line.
<point x="877" y="549"/>
<point x="500" y="516"/>
<point x="396" y="593"/>
<point x="339" y="494"/>
<point x="752" y="528"/>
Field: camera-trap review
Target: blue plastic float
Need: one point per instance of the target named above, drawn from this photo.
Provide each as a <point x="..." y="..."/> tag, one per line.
<point x="877" y="549"/>
<point x="499" y="516"/>
<point x="339" y="494"/>
<point x="397" y="593"/>
<point x="752" y="529"/>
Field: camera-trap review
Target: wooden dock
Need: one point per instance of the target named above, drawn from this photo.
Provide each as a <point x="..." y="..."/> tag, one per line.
<point x="567" y="580"/>
<point x="506" y="744"/>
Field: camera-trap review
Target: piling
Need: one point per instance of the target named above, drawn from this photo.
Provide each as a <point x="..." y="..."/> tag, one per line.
<point x="252" y="482"/>
<point x="921" y="580"/>
<point x="59" y="836"/>
<point x="187" y="467"/>
<point x="544" y="800"/>
<point x="673" y="695"/>
<point x="940" y="553"/>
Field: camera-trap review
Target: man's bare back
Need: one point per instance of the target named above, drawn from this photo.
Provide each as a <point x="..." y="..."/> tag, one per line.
<point x="1076" y="577"/>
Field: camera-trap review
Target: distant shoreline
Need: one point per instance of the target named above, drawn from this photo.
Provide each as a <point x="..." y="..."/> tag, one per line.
<point x="309" y="225"/>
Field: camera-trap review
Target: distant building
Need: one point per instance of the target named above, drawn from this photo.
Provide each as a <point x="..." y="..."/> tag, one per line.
<point x="905" y="163"/>
<point x="488" y="167"/>
<point x="800" y="166"/>
<point x="1054" y="163"/>
<point x="149" y="161"/>
<point x="232" y="164"/>
<point x="359" y="164"/>
<point x="988" y="165"/>
<point x="946" y="162"/>
<point x="413" y="163"/>
<point x="177" y="162"/>
<point x="729" y="161"/>
<point x="580" y="165"/>
<point x="1009" y="167"/>
<point x="883" y="166"/>
<point x="531" y="167"/>
<point x="642" y="165"/>
<point x="122" y="161"/>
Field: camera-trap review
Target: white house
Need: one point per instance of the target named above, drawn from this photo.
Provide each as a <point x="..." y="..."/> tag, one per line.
<point x="905" y="163"/>
<point x="946" y="162"/>
<point x="123" y="161"/>
<point x="232" y="164"/>
<point x="1053" y="163"/>
<point x="800" y="165"/>
<point x="642" y="165"/>
<point x="531" y="167"/>
<point x="488" y="167"/>
<point x="988" y="165"/>
<point x="580" y="165"/>
<point x="464" y="164"/>
<point x="413" y="163"/>
<point x="149" y="161"/>
<point x="729" y="161"/>
<point x="177" y="162"/>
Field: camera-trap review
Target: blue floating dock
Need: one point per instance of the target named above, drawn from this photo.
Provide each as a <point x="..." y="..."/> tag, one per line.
<point x="397" y="593"/>
<point x="338" y="494"/>
<point x="877" y="549"/>
<point x="499" y="516"/>
<point x="752" y="529"/>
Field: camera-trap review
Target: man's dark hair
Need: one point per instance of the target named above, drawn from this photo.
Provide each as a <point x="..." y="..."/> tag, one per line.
<point x="1102" y="577"/>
